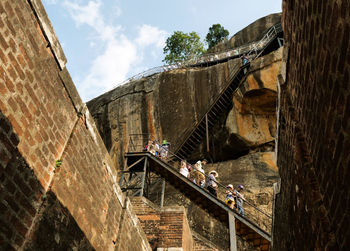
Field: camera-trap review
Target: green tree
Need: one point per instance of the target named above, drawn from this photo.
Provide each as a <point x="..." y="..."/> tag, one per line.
<point x="180" y="46"/>
<point x="216" y="34"/>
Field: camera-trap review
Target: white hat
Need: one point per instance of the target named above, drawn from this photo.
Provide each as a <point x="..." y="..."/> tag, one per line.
<point x="230" y="186"/>
<point x="214" y="173"/>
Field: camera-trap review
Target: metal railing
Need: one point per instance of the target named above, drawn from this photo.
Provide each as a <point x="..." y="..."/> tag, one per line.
<point x="252" y="212"/>
<point x="251" y="48"/>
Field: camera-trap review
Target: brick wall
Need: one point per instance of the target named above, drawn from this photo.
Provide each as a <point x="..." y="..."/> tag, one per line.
<point x="165" y="228"/>
<point x="313" y="140"/>
<point x="44" y="206"/>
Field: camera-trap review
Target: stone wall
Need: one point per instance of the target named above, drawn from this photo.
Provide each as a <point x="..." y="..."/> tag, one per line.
<point x="313" y="134"/>
<point x="165" y="227"/>
<point x="58" y="184"/>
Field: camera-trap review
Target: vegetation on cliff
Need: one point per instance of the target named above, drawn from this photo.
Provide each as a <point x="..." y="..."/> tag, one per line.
<point x="216" y="34"/>
<point x="180" y="46"/>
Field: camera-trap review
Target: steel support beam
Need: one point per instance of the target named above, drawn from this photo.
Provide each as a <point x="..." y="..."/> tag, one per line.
<point x="279" y="42"/>
<point x="232" y="226"/>
<point x="135" y="163"/>
<point x="143" y="177"/>
<point x="162" y="194"/>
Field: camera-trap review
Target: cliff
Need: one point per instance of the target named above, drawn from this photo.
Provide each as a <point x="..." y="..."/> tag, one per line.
<point x="166" y="105"/>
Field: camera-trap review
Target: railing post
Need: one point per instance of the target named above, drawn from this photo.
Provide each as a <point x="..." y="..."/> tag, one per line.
<point x="143" y="178"/>
<point x="162" y="194"/>
<point x="279" y="42"/>
<point x="232" y="228"/>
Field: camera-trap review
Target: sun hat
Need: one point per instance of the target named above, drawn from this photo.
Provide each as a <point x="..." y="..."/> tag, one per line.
<point x="214" y="173"/>
<point x="230" y="186"/>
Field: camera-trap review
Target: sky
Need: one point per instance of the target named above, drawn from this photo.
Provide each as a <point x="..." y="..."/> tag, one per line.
<point x="108" y="41"/>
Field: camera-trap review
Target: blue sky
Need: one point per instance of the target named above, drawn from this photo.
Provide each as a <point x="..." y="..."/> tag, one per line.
<point x="107" y="41"/>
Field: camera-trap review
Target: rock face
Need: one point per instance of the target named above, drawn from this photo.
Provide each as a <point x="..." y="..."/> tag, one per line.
<point x="167" y="105"/>
<point x="250" y="124"/>
<point x="253" y="116"/>
<point x="251" y="33"/>
<point x="163" y="106"/>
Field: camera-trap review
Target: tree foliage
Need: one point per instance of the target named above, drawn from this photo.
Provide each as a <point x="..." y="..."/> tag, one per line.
<point x="181" y="46"/>
<point x="216" y="34"/>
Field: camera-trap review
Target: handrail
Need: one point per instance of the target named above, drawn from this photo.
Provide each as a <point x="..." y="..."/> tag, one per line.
<point x="206" y="58"/>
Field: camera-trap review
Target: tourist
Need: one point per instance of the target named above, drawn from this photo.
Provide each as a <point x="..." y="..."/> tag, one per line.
<point x="147" y="147"/>
<point x="156" y="148"/>
<point x="151" y="147"/>
<point x="230" y="201"/>
<point x="239" y="199"/>
<point x="199" y="172"/>
<point x="244" y="59"/>
<point x="164" y="149"/>
<point x="183" y="169"/>
<point x="212" y="183"/>
<point x="189" y="167"/>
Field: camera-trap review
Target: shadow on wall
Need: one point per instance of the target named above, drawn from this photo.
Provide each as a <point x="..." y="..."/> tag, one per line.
<point x="29" y="217"/>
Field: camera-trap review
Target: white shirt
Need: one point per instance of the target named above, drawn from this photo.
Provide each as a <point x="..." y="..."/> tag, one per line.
<point x="184" y="171"/>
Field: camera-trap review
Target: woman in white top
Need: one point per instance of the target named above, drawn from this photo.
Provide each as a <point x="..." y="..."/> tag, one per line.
<point x="183" y="169"/>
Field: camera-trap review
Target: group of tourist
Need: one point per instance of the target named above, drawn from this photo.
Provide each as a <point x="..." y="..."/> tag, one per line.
<point x="234" y="197"/>
<point x="157" y="149"/>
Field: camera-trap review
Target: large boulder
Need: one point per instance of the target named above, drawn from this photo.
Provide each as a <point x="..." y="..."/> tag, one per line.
<point x="249" y="34"/>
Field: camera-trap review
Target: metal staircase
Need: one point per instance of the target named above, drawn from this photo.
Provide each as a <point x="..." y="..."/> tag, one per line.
<point x="223" y="101"/>
<point x="136" y="179"/>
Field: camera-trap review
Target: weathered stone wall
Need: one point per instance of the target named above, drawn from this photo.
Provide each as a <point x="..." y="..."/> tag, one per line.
<point x="312" y="209"/>
<point x="44" y="204"/>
